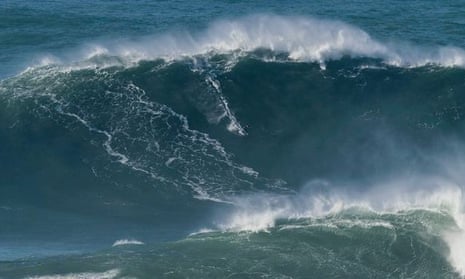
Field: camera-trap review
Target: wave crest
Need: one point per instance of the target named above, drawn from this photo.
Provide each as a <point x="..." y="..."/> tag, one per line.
<point x="298" y="38"/>
<point x="121" y="242"/>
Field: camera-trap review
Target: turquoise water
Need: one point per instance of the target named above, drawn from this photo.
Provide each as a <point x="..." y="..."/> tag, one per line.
<point x="231" y="139"/>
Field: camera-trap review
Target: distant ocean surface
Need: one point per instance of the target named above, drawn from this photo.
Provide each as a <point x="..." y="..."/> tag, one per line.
<point x="232" y="139"/>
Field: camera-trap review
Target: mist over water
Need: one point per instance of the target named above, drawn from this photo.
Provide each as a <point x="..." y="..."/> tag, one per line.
<point x="254" y="146"/>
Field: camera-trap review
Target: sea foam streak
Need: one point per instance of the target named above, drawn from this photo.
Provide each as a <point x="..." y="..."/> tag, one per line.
<point x="301" y="38"/>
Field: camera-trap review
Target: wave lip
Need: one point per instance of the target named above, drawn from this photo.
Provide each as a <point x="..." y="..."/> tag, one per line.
<point x="122" y="242"/>
<point x="260" y="211"/>
<point x="302" y="39"/>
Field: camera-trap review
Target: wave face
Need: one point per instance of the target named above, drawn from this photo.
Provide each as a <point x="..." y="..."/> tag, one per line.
<point x="302" y="146"/>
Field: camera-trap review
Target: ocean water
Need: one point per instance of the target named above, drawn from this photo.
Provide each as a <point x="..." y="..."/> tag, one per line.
<point x="230" y="139"/>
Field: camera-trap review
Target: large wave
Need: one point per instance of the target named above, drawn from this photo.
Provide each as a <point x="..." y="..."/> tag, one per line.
<point x="244" y="113"/>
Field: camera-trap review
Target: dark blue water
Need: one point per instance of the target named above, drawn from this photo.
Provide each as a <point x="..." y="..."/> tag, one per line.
<point x="143" y="139"/>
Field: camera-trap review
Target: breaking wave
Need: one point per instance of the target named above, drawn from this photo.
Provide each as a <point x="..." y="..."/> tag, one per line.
<point x="291" y="38"/>
<point x="376" y="208"/>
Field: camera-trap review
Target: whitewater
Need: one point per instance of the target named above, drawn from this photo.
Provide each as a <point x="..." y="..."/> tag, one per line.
<point x="298" y="38"/>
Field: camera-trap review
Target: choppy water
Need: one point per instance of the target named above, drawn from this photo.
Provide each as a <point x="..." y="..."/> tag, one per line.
<point x="214" y="140"/>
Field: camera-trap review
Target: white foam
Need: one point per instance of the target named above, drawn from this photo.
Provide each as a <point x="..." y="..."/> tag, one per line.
<point x="301" y="38"/>
<point x="127" y="242"/>
<point x="260" y="211"/>
<point x="456" y="242"/>
<point x="85" y="275"/>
